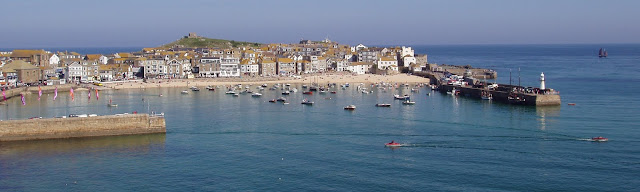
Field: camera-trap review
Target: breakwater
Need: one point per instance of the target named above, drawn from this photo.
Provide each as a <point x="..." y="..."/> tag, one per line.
<point x="55" y="128"/>
<point x="530" y="99"/>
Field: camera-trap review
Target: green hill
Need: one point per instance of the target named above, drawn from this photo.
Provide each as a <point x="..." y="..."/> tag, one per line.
<point x="201" y="42"/>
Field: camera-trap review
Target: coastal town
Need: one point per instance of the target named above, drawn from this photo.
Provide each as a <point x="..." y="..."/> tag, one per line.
<point x="41" y="67"/>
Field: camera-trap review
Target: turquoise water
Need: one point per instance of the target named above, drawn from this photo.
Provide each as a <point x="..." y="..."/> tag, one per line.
<point x="218" y="142"/>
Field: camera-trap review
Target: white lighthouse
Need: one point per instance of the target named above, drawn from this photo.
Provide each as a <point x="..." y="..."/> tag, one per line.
<point x="542" y="87"/>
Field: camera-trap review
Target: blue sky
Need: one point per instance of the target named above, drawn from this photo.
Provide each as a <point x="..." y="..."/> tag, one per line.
<point x="145" y="23"/>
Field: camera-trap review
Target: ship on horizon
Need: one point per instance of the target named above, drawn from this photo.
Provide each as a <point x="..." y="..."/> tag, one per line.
<point x="602" y="53"/>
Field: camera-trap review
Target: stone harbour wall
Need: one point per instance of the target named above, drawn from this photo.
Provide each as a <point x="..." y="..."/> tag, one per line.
<point x="32" y="129"/>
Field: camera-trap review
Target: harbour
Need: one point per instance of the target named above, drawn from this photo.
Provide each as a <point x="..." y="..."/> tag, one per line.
<point x="271" y="146"/>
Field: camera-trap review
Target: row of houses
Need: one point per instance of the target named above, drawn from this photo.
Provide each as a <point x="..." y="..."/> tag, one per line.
<point x="268" y="60"/>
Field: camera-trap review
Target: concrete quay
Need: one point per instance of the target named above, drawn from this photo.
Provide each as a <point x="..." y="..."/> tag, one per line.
<point x="57" y="128"/>
<point x="502" y="95"/>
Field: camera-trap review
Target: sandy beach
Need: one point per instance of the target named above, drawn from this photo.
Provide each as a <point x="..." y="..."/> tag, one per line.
<point x="320" y="79"/>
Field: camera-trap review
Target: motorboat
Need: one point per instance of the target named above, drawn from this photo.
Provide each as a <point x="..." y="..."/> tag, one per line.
<point x="408" y="102"/>
<point x="307" y="93"/>
<point x="236" y="94"/>
<point x="393" y="144"/>
<point x="383" y="105"/>
<point x="286" y="93"/>
<point x="282" y="99"/>
<point x="333" y="92"/>
<point x="230" y="92"/>
<point x="350" y="107"/>
<point x="304" y="86"/>
<point x="272" y="101"/>
<point x="599" y="139"/>
<point x="404" y="97"/>
<point x="211" y="88"/>
<point x="264" y="85"/>
<point x="256" y="94"/>
<point x="307" y="102"/>
<point x="184" y="92"/>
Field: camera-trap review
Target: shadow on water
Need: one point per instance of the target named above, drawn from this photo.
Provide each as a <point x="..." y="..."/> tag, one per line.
<point x="51" y="147"/>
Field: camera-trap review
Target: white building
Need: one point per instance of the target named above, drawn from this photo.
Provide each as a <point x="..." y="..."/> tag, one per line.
<point x="229" y="67"/>
<point x="385" y="63"/>
<point x="360" y="67"/>
<point x="54" y="59"/>
<point x="75" y="72"/>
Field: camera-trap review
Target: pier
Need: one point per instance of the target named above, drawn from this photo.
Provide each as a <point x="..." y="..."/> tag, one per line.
<point x="502" y="94"/>
<point x="73" y="127"/>
<point x="473" y="88"/>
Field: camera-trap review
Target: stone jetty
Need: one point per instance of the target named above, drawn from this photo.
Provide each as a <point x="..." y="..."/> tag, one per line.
<point x="57" y="128"/>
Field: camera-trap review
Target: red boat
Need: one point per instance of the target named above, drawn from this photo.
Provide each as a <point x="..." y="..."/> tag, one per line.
<point x="307" y="93"/>
<point x="599" y="139"/>
<point x="333" y="92"/>
<point x="393" y="144"/>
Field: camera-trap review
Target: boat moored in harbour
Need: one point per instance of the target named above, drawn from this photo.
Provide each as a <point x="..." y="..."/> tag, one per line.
<point x="350" y="107"/>
<point x="383" y="105"/>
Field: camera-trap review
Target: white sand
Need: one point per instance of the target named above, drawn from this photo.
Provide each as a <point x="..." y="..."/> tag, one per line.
<point x="321" y="79"/>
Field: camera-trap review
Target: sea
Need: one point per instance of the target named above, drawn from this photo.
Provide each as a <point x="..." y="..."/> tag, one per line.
<point x="217" y="142"/>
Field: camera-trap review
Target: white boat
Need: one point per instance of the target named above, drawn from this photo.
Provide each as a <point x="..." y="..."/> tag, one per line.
<point x="383" y="105"/>
<point x="307" y="102"/>
<point x="294" y="90"/>
<point x="286" y="93"/>
<point x="408" y="102"/>
<point x="185" y="92"/>
<point x="256" y="94"/>
<point x="350" y="107"/>
<point x="230" y="92"/>
<point x="405" y="97"/>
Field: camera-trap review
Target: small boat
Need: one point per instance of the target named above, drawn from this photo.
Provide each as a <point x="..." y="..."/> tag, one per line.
<point x="272" y="101"/>
<point x="195" y="89"/>
<point x="307" y="93"/>
<point x="256" y="94"/>
<point x="599" y="139"/>
<point x="393" y="144"/>
<point x="185" y="92"/>
<point x="211" y="88"/>
<point x="304" y="86"/>
<point x="236" y="94"/>
<point x="333" y="92"/>
<point x="285" y="103"/>
<point x="282" y="99"/>
<point x="160" y="95"/>
<point x="111" y="104"/>
<point x="383" y="105"/>
<point x="230" y="92"/>
<point x="571" y="104"/>
<point x="602" y="53"/>
<point x="307" y="102"/>
<point x="264" y="85"/>
<point x="408" y="102"/>
<point x="323" y="92"/>
<point x="350" y="107"/>
<point x="286" y="93"/>
<point x="405" y="97"/>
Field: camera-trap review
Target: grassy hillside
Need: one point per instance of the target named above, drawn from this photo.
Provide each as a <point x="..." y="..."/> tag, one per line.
<point x="201" y="42"/>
